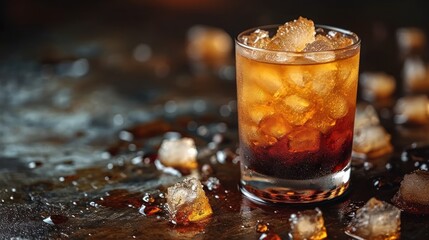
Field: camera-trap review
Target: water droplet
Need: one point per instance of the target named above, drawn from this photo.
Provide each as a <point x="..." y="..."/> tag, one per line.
<point x="262" y="228"/>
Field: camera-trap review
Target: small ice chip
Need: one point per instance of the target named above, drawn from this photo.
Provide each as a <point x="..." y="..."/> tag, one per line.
<point x="308" y="224"/>
<point x="178" y="153"/>
<point x="187" y="202"/>
<point x="375" y="220"/>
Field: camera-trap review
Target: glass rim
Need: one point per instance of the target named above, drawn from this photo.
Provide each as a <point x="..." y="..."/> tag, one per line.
<point x="355" y="37"/>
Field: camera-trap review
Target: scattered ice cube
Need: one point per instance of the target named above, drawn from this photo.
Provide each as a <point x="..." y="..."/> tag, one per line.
<point x="413" y="195"/>
<point x="410" y="39"/>
<point x="366" y="116"/>
<point x="209" y="46"/>
<point x="178" y="153"/>
<point x="376" y="220"/>
<point x="304" y="139"/>
<point x="412" y="109"/>
<point x="371" y="142"/>
<point x="416" y="75"/>
<point x="187" y="202"/>
<point x="370" y="139"/>
<point x="377" y="85"/>
<point x="308" y="224"/>
<point x="293" y="36"/>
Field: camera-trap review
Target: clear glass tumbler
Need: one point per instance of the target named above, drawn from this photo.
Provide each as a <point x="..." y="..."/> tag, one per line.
<point x="296" y="114"/>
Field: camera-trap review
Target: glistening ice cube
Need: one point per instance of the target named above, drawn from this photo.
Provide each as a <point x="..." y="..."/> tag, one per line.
<point x="178" y="153"/>
<point x="307" y="224"/>
<point x="413" y="195"/>
<point x="376" y="220"/>
<point x="187" y="202"/>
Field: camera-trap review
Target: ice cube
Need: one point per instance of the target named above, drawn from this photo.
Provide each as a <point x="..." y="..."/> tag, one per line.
<point x="209" y="46"/>
<point x="412" y="109"/>
<point x="257" y="112"/>
<point x="299" y="109"/>
<point x="253" y="94"/>
<point x="376" y="220"/>
<point x="318" y="50"/>
<point x="187" y="202"/>
<point x="308" y="224"/>
<point x="410" y="40"/>
<point x="413" y="195"/>
<point x="339" y="40"/>
<point x="266" y="79"/>
<point x="259" y="39"/>
<point x="416" y="75"/>
<point x="377" y="85"/>
<point x="371" y="142"/>
<point x="337" y="106"/>
<point x="365" y="116"/>
<point x="178" y="153"/>
<point x="274" y="125"/>
<point x="297" y="103"/>
<point x="304" y="139"/>
<point x="323" y="86"/>
<point x="293" y="36"/>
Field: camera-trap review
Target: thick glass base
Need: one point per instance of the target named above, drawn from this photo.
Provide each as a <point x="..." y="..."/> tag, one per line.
<point x="265" y="189"/>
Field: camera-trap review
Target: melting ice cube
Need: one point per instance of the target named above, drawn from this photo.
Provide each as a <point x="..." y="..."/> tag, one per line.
<point x="371" y="142"/>
<point x="318" y="50"/>
<point x="307" y="224"/>
<point x="370" y="139"/>
<point x="304" y="139"/>
<point x="187" y="202"/>
<point x="412" y="109"/>
<point x="416" y="75"/>
<point x="377" y="85"/>
<point x="375" y="220"/>
<point x="413" y="195"/>
<point x="178" y="153"/>
<point x="366" y="116"/>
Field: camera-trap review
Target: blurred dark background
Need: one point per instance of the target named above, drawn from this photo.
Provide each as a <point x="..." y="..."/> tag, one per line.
<point x="50" y="31"/>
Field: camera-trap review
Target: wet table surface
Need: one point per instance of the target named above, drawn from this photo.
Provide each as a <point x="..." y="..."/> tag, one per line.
<point x="83" y="114"/>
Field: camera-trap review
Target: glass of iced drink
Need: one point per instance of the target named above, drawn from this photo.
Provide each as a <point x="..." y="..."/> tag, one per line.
<point x="296" y="90"/>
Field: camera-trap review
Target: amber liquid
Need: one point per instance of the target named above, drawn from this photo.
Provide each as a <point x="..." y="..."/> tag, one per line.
<point x="296" y="120"/>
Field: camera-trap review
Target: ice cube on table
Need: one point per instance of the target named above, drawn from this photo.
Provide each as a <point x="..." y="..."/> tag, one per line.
<point x="375" y="220"/>
<point x="366" y="116"/>
<point x="413" y="194"/>
<point x="416" y="75"/>
<point x="377" y="85"/>
<point x="178" y="153"/>
<point x="410" y="39"/>
<point x="371" y="142"/>
<point x="308" y="224"/>
<point x="187" y="202"/>
<point x="412" y="109"/>
<point x="293" y="35"/>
